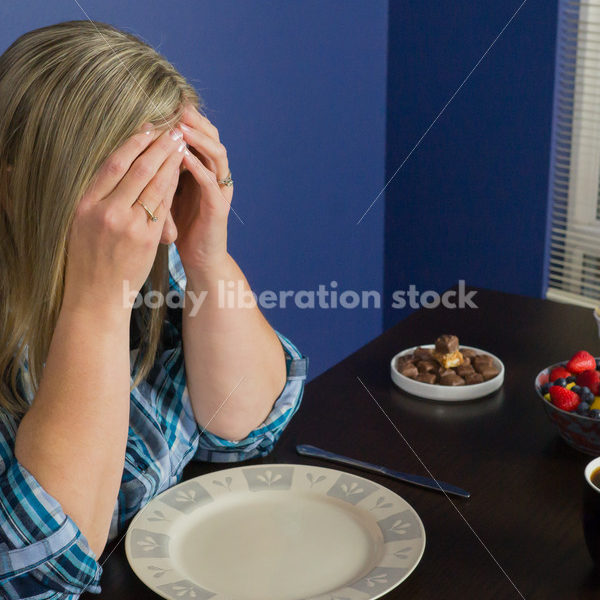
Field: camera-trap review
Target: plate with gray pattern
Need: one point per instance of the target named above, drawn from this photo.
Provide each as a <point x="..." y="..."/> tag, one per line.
<point x="275" y="532"/>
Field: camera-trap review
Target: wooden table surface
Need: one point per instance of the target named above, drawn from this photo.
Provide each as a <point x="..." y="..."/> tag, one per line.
<point x="519" y="535"/>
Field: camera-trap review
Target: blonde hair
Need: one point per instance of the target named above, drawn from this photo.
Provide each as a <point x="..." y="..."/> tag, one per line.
<point x="70" y="95"/>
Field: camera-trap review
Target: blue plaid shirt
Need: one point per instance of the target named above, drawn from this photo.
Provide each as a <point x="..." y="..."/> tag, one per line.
<point x="43" y="554"/>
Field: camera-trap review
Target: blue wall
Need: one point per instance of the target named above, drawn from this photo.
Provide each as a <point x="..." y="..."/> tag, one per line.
<point x="299" y="93"/>
<point x="297" y="90"/>
<point x="471" y="201"/>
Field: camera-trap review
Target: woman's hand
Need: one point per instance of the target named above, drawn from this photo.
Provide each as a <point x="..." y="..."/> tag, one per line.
<point x="201" y="206"/>
<point x="112" y="241"/>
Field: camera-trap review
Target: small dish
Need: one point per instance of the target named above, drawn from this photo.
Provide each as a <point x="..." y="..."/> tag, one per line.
<point x="445" y="393"/>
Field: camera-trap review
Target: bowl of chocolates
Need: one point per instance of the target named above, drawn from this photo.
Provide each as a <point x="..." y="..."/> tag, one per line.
<point x="447" y="371"/>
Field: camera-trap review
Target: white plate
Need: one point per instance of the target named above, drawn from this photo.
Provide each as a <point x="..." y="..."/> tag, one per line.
<point x="275" y="532"/>
<point x="444" y="392"/>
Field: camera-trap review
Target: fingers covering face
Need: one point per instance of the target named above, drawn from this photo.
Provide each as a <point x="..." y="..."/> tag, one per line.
<point x="128" y="170"/>
<point x="159" y="190"/>
<point x="212" y="196"/>
<point x="146" y="171"/>
<point x="117" y="164"/>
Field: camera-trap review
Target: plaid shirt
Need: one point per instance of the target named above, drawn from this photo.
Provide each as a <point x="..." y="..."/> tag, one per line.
<point x="43" y="554"/>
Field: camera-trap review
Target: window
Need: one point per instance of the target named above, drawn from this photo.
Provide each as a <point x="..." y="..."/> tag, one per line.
<point x="574" y="244"/>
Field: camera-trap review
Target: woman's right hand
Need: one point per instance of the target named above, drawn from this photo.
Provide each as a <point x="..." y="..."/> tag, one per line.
<point x="112" y="241"/>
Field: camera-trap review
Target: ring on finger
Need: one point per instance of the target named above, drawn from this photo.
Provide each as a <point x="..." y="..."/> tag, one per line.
<point x="227" y="181"/>
<point x="151" y="215"/>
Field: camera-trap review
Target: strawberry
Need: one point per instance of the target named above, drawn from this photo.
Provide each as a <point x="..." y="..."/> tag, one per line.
<point x="590" y="379"/>
<point x="581" y="361"/>
<point x="563" y="398"/>
<point x="559" y="373"/>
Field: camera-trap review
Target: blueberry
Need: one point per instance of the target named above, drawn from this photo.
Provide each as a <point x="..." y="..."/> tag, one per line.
<point x="571" y="379"/>
<point x="587" y="396"/>
<point x="594" y="413"/>
<point x="582" y="408"/>
<point x="598" y="364"/>
<point x="576" y="389"/>
<point x="545" y="388"/>
<point x="562" y="382"/>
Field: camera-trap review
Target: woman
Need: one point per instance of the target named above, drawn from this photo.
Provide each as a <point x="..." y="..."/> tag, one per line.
<point x="113" y="183"/>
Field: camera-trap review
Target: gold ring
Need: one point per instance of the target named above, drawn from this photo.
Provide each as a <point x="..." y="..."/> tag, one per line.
<point x="227" y="181"/>
<point x="151" y="215"/>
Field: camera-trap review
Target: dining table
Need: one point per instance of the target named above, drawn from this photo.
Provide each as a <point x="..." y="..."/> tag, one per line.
<point x="519" y="534"/>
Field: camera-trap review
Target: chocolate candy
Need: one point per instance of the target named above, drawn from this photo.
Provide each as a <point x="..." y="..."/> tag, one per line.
<point x="489" y="373"/>
<point x="472" y="378"/>
<point x="409" y="370"/>
<point x="427" y="377"/>
<point x="403" y="360"/>
<point x="422" y="354"/>
<point x="464" y="370"/>
<point x="468" y="353"/>
<point x="451" y="379"/>
<point x="446" y="344"/>
<point x="427" y="366"/>
<point x="449" y="361"/>
<point x="482" y="361"/>
<point x="444" y="371"/>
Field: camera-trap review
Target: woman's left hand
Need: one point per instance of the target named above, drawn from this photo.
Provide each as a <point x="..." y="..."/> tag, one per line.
<point x="201" y="206"/>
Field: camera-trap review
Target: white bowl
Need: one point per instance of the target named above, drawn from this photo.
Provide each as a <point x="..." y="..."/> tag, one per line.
<point x="447" y="393"/>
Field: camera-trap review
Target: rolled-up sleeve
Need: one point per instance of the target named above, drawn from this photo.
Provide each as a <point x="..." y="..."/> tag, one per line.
<point x="261" y="440"/>
<point x="43" y="554"/>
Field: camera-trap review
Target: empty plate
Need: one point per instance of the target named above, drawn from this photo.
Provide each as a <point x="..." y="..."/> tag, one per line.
<point x="275" y="532"/>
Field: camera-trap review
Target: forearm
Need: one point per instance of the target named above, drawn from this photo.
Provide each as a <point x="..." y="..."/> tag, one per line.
<point x="234" y="361"/>
<point x="74" y="436"/>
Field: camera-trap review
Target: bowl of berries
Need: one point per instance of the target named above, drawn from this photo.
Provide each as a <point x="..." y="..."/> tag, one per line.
<point x="570" y="392"/>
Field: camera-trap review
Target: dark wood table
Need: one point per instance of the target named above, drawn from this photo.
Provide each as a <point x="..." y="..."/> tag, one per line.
<point x="522" y="522"/>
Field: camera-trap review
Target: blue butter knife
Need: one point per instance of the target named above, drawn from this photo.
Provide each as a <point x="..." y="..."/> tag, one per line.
<point x="426" y="482"/>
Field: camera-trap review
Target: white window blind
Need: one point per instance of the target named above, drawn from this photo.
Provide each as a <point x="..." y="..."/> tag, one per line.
<point x="574" y="244"/>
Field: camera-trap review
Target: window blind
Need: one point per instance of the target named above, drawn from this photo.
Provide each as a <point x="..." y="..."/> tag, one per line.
<point x="574" y="239"/>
